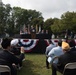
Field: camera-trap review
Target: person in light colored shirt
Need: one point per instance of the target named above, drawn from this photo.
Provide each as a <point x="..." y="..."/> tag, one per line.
<point x="48" y="48"/>
<point x="57" y="51"/>
<point x="69" y="56"/>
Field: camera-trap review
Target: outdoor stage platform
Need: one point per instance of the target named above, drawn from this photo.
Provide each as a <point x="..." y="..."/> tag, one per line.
<point x="36" y="45"/>
<point x="33" y="36"/>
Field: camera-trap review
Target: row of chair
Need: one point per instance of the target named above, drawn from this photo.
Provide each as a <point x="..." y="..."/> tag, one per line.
<point x="5" y="68"/>
<point x="69" y="66"/>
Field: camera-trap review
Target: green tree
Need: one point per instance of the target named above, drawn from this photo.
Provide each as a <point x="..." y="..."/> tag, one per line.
<point x="68" y="21"/>
<point x="4" y="17"/>
<point x="48" y="23"/>
<point x="36" y="22"/>
<point x="24" y="17"/>
<point x="56" y="27"/>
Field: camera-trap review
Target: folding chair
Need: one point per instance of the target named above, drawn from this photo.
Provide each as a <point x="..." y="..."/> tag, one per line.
<point x="5" y="68"/>
<point x="71" y="67"/>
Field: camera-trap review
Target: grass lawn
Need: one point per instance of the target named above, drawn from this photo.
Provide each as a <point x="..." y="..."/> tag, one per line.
<point x="34" y="64"/>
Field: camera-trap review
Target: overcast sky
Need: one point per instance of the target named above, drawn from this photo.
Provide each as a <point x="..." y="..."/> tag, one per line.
<point x="48" y="8"/>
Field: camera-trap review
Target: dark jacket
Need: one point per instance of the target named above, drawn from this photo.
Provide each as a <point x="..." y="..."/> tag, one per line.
<point x="16" y="50"/>
<point x="67" y="57"/>
<point x="9" y="58"/>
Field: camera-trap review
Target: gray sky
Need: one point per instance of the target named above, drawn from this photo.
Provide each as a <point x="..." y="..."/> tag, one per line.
<point x="48" y="8"/>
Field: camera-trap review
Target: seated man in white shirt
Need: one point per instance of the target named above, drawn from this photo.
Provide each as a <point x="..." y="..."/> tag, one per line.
<point x="48" y="49"/>
<point x="56" y="51"/>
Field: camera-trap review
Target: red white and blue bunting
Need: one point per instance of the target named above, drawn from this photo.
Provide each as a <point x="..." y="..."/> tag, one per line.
<point x="28" y="44"/>
<point x="35" y="45"/>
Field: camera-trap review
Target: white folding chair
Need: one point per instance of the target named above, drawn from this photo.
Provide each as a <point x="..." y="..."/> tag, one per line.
<point x="70" y="66"/>
<point x="5" y="68"/>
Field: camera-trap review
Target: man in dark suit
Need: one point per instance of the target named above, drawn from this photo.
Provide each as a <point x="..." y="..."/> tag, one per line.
<point x="68" y="57"/>
<point x="9" y="58"/>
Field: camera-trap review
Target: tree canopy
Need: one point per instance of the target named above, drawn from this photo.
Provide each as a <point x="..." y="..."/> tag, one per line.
<point x="14" y="18"/>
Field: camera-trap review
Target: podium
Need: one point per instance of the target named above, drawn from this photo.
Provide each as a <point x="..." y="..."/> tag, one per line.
<point x="33" y="35"/>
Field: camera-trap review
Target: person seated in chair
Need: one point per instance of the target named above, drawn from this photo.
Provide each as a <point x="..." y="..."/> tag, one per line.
<point x="48" y="49"/>
<point x="10" y="59"/>
<point x="15" y="48"/>
<point x="69" y="56"/>
<point x="54" y="52"/>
